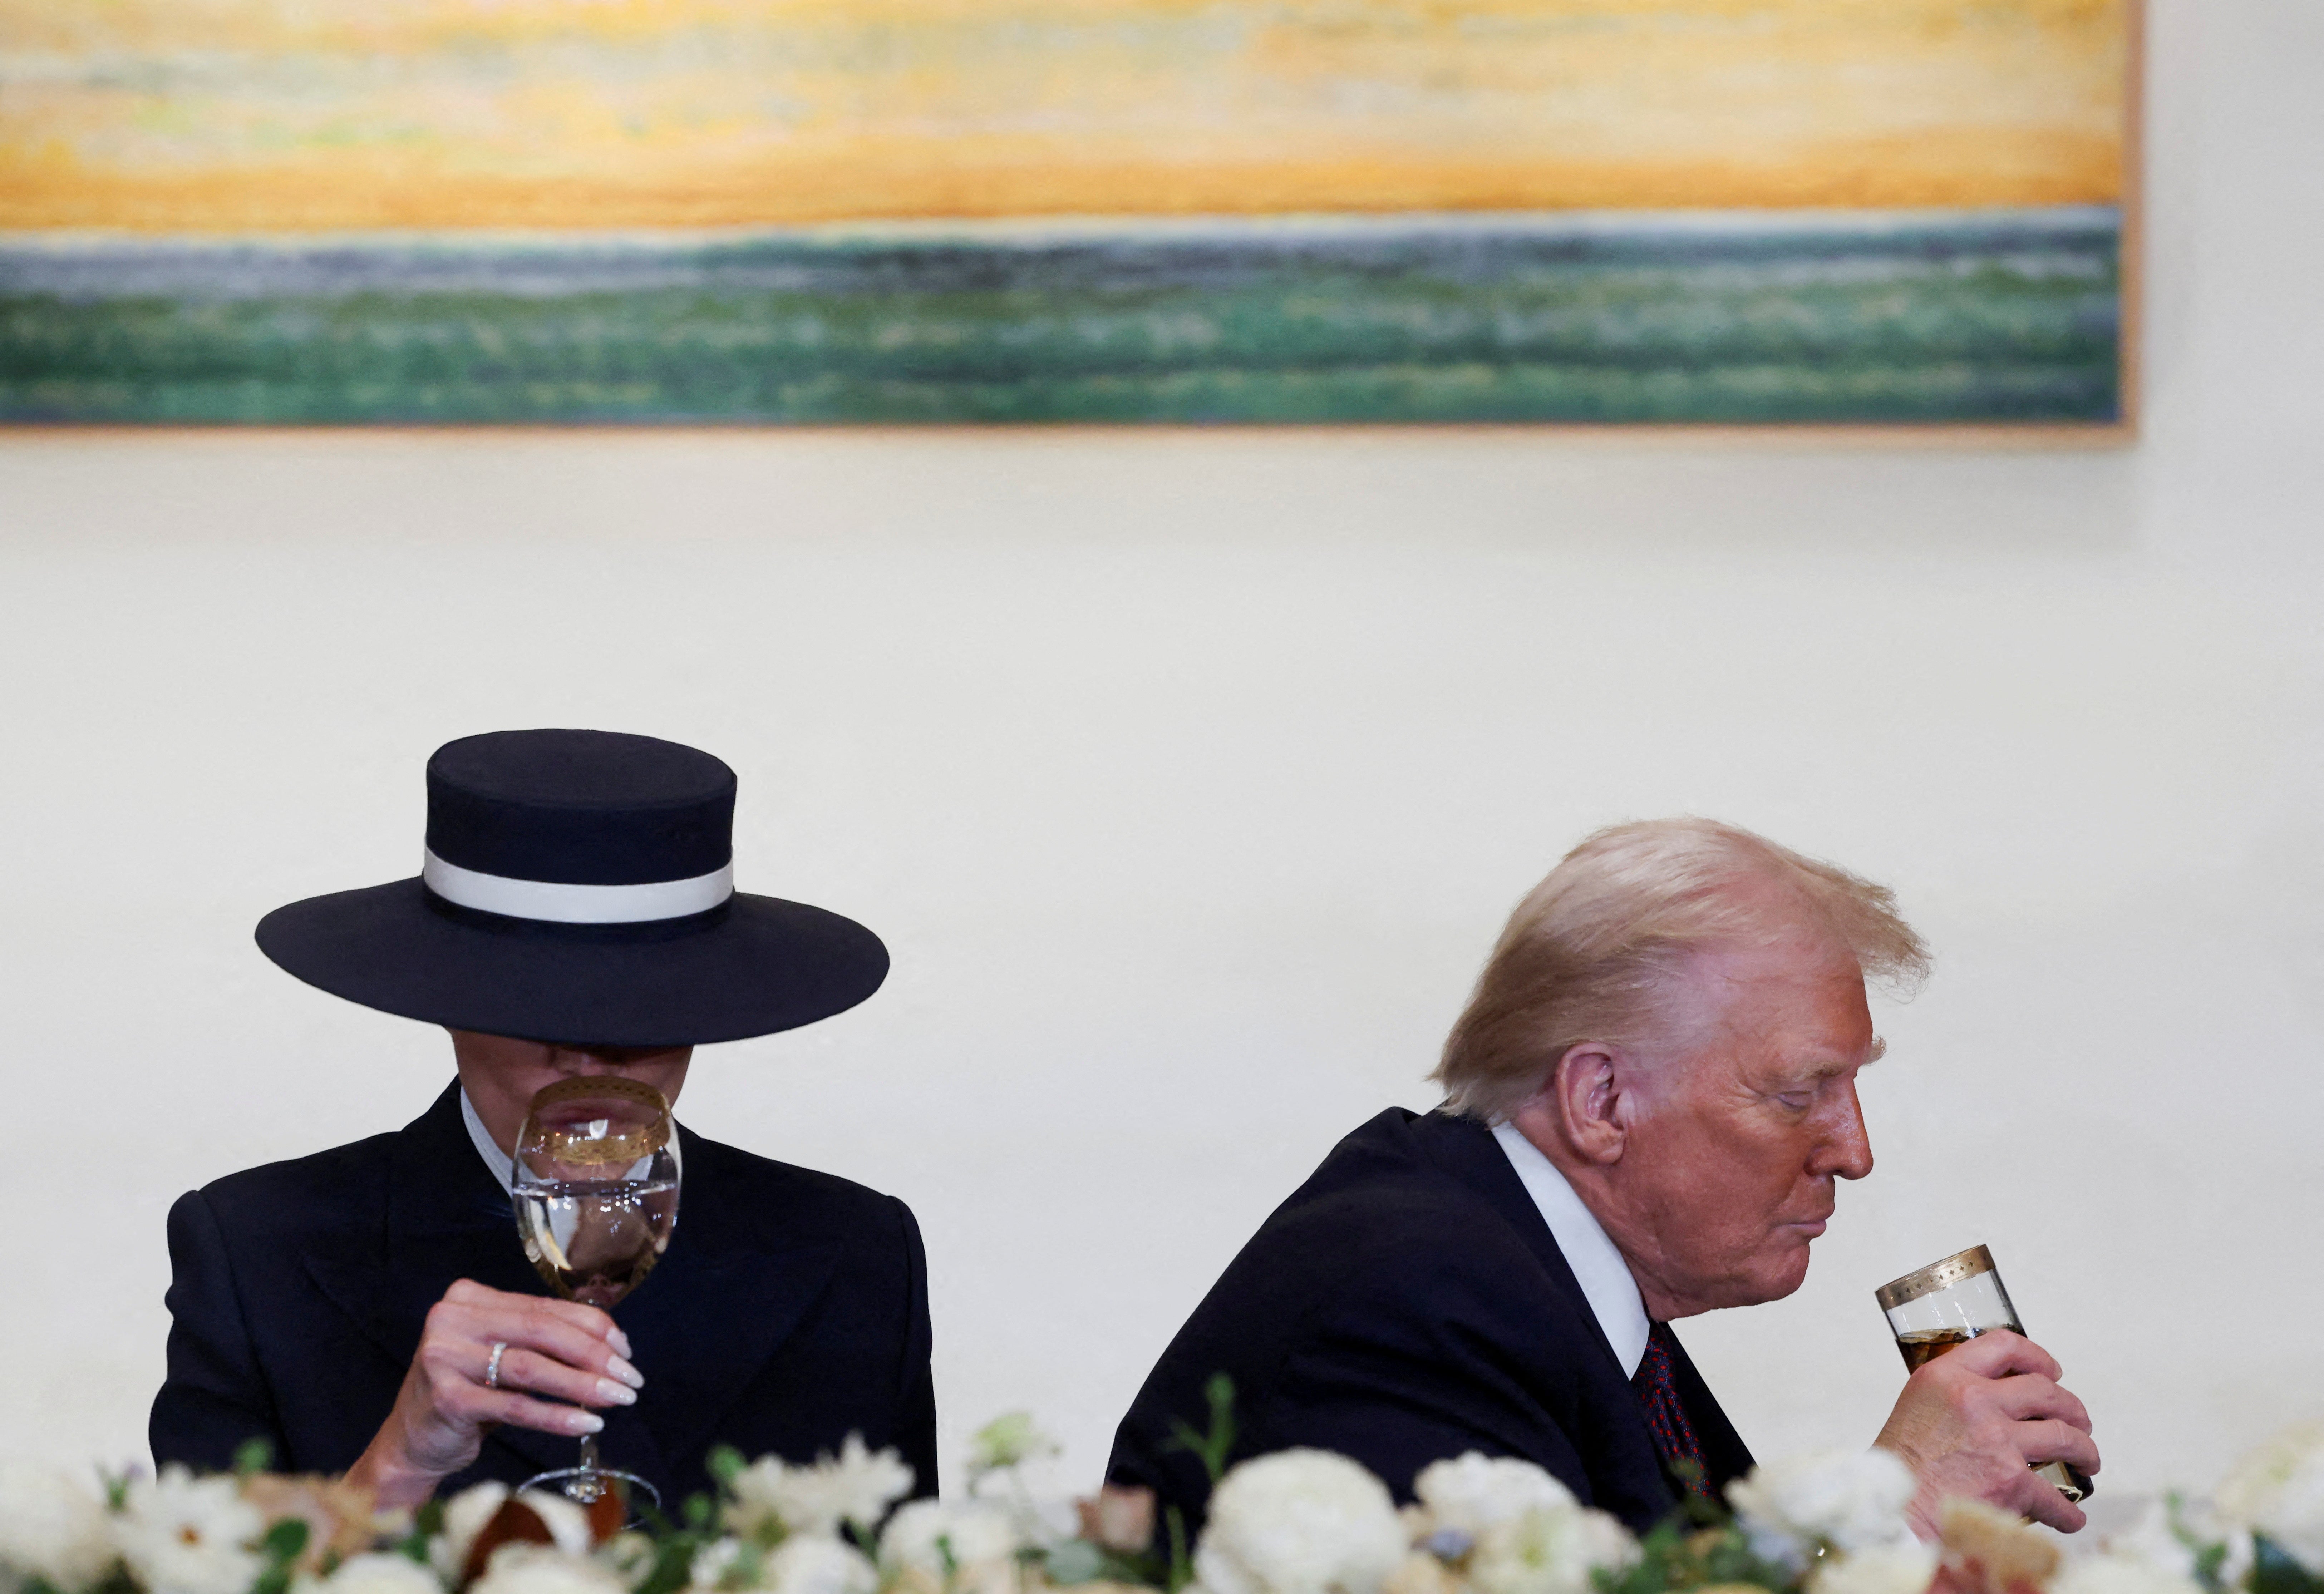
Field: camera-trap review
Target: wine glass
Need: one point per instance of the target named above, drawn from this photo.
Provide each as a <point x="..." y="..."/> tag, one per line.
<point x="596" y="1191"/>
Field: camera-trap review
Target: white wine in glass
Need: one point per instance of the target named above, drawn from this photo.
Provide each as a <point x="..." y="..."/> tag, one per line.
<point x="596" y="1191"/>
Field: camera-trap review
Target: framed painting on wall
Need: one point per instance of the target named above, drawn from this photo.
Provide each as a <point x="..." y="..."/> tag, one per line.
<point x="1756" y="212"/>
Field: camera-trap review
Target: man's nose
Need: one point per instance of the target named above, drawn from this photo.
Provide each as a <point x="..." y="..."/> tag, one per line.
<point x="577" y="1060"/>
<point x="1848" y="1151"/>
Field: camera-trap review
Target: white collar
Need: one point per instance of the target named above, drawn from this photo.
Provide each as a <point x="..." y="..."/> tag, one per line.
<point x="1597" y="1266"/>
<point x="503" y="1165"/>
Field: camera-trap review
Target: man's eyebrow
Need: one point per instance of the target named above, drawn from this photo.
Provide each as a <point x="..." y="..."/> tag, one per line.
<point x="1838" y="1066"/>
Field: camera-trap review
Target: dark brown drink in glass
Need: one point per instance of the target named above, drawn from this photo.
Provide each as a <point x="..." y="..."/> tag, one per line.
<point x="1945" y="1305"/>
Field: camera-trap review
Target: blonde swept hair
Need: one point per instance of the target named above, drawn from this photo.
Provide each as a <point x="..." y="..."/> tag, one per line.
<point x="1588" y="950"/>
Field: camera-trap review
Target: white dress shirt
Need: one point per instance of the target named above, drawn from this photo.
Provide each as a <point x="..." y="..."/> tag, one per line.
<point x="1598" y="1266"/>
<point x="503" y="1165"/>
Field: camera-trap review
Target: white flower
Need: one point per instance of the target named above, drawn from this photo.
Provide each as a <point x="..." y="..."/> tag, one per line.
<point x="808" y="1565"/>
<point x="2156" y="1539"/>
<point x="183" y="1534"/>
<point x="53" y="1526"/>
<point x="1421" y="1572"/>
<point x="1852" y="1500"/>
<point x="630" y="1554"/>
<point x="716" y="1565"/>
<point x="1008" y="1440"/>
<point x="2278" y="1492"/>
<point x="1299" y="1521"/>
<point x="2112" y="1574"/>
<point x="567" y="1522"/>
<point x="380" y="1575"/>
<point x="1884" y="1568"/>
<point x="1478" y="1491"/>
<point x="469" y="1512"/>
<point x="538" y="1569"/>
<point x="855" y="1486"/>
<point x="464" y="1515"/>
<point x="1551" y="1551"/>
<point x="804" y="1563"/>
<point x="936" y="1536"/>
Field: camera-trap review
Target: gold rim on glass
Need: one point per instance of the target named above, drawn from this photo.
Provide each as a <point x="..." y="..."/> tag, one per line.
<point x="1936" y="1276"/>
<point x="587" y="1144"/>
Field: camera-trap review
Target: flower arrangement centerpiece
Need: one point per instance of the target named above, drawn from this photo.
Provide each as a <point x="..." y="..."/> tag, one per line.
<point x="1293" y="1522"/>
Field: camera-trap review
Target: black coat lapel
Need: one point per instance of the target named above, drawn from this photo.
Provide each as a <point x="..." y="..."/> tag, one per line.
<point x="720" y="1303"/>
<point x="443" y="1217"/>
<point x="1466" y="1149"/>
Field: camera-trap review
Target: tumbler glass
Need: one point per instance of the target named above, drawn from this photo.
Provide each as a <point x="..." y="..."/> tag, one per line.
<point x="1948" y="1304"/>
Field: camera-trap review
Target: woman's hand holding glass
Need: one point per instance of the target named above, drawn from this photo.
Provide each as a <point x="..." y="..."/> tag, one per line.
<point x="559" y="1359"/>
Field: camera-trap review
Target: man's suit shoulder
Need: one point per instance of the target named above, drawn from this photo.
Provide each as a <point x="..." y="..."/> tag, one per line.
<point x="1381" y="1193"/>
<point x="1386" y="1238"/>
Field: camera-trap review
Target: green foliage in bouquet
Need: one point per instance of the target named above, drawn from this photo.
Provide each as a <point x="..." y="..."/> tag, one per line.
<point x="1697" y="1546"/>
<point x="1293" y="1522"/>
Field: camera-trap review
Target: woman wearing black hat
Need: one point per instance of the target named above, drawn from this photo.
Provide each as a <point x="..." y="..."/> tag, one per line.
<point x="369" y="1310"/>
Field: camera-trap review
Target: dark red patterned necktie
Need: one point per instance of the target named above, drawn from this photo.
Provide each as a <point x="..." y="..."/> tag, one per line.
<point x="1666" y="1419"/>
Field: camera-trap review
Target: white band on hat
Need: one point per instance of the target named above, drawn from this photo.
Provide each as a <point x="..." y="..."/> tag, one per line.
<point x="559" y="903"/>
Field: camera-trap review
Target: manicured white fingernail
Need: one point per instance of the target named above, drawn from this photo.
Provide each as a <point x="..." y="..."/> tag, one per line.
<point x="586" y="1422"/>
<point x="620" y="1341"/>
<point x="626" y="1373"/>
<point x="616" y="1394"/>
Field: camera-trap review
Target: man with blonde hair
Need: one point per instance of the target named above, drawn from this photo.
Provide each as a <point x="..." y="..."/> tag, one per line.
<point x="1649" y="1099"/>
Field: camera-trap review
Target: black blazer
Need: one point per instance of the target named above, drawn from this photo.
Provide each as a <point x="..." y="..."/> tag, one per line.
<point x="790" y="1310"/>
<point x="1407" y="1305"/>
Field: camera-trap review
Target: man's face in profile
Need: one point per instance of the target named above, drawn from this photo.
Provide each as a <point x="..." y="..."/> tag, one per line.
<point x="1728" y="1172"/>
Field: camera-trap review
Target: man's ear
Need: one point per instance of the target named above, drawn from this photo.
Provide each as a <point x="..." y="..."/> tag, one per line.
<point x="1578" y="1104"/>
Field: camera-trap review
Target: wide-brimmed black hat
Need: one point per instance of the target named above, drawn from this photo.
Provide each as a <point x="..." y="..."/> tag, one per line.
<point x="579" y="886"/>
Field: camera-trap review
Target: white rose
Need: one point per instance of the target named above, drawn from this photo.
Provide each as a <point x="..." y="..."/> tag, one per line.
<point x="1849" y="1500"/>
<point x="2114" y="1573"/>
<point x="919" y="1537"/>
<point x="1478" y="1491"/>
<point x="2278" y="1490"/>
<point x="855" y="1486"/>
<point x="183" y="1534"/>
<point x="1551" y="1551"/>
<point x="1299" y="1521"/>
<point x="538" y="1569"/>
<point x="53" y="1526"/>
<point x="1884" y="1569"/>
<point x="380" y="1575"/>
<point x="810" y="1565"/>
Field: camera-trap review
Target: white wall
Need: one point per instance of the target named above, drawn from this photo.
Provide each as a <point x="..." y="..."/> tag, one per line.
<point x="1189" y="778"/>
